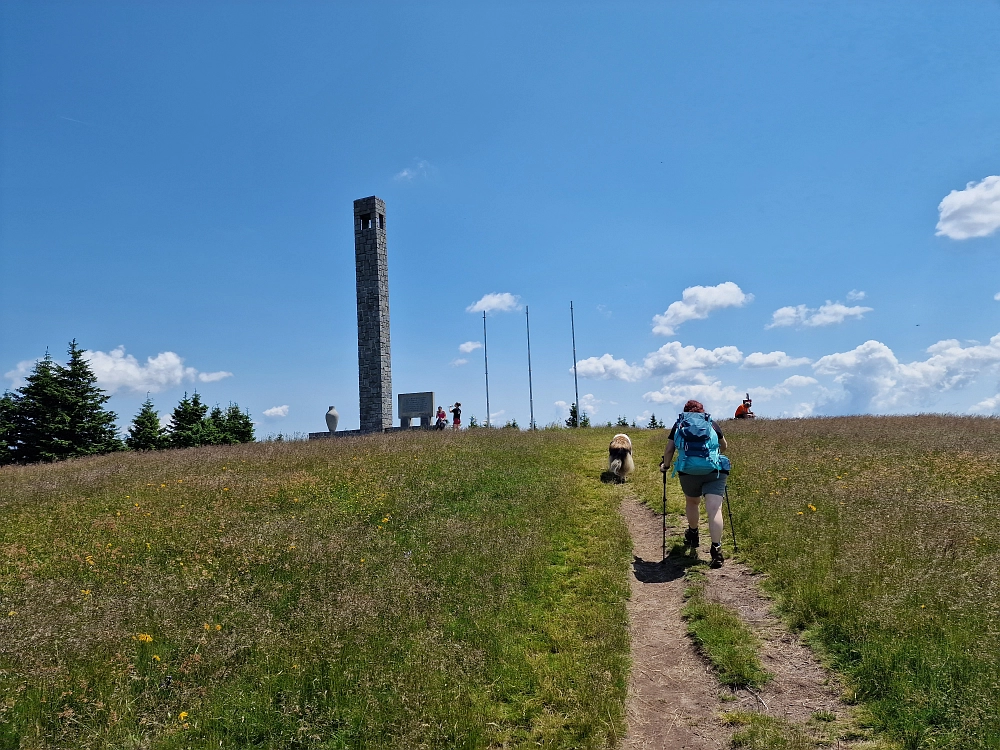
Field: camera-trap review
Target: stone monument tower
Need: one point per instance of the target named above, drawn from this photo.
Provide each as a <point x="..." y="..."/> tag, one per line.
<point x="372" y="268"/>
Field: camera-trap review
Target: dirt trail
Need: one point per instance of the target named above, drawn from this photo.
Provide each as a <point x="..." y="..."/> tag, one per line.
<point x="674" y="699"/>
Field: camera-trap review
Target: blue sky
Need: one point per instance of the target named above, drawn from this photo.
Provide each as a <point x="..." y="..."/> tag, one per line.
<point x="711" y="184"/>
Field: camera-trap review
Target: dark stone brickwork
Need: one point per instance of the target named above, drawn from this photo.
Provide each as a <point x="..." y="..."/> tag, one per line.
<point x="372" y="269"/>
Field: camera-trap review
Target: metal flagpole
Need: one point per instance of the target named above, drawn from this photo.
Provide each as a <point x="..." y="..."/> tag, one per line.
<point x="486" y="360"/>
<point x="576" y="385"/>
<point x="531" y="398"/>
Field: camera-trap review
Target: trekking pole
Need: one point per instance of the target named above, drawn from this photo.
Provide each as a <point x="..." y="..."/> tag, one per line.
<point x="731" y="527"/>
<point x="664" y="517"/>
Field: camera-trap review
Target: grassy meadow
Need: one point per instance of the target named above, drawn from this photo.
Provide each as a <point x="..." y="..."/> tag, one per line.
<point x="881" y="539"/>
<point x="402" y="591"/>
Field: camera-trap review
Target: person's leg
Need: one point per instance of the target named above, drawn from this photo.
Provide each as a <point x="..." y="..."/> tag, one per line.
<point x="713" y="507"/>
<point x="692" y="510"/>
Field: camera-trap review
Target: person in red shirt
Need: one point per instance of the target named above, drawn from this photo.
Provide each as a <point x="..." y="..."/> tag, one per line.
<point x="743" y="410"/>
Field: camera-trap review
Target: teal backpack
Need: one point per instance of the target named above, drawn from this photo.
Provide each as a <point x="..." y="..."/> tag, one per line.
<point x="697" y="445"/>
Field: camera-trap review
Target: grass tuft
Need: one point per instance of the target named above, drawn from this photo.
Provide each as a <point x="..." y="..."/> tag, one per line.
<point x="730" y="646"/>
<point x="762" y="732"/>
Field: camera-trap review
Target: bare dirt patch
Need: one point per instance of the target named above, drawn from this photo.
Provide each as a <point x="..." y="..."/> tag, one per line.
<point x="674" y="699"/>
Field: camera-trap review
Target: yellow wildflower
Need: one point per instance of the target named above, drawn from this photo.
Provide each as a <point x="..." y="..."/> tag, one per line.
<point x="207" y="626"/>
<point x="218" y="627"/>
<point x="85" y="592"/>
<point x="156" y="657"/>
<point x="812" y="507"/>
<point x="12" y="613"/>
<point x="182" y="715"/>
<point x="801" y="513"/>
<point x="144" y="637"/>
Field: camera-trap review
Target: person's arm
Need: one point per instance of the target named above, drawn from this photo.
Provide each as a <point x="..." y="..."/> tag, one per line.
<point x="722" y="438"/>
<point x="668" y="456"/>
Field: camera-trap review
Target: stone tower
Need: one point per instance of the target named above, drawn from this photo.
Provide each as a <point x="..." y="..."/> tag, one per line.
<point x="372" y="268"/>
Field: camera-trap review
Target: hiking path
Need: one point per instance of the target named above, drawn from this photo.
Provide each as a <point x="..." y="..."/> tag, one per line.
<point x="674" y="698"/>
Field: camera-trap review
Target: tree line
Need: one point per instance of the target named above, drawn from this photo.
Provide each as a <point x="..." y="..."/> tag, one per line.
<point x="60" y="413"/>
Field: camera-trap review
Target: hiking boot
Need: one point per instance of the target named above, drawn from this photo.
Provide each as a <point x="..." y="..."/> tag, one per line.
<point x="717" y="557"/>
<point x="691" y="538"/>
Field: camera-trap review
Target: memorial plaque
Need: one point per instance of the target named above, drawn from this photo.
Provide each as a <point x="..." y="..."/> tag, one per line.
<point x="412" y="405"/>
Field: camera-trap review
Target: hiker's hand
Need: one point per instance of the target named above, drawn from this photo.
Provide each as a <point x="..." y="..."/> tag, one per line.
<point x="663" y="469"/>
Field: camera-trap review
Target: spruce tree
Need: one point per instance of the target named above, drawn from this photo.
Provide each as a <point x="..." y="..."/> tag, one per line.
<point x="237" y="426"/>
<point x="39" y="418"/>
<point x="187" y="428"/>
<point x="145" y="434"/>
<point x="88" y="428"/>
<point x="214" y="428"/>
<point x="7" y="435"/>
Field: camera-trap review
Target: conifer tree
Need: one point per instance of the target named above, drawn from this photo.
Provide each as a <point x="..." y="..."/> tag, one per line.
<point x="214" y="428"/>
<point x="38" y="416"/>
<point x="187" y="423"/>
<point x="7" y="438"/>
<point x="654" y="424"/>
<point x="238" y="427"/>
<point x="145" y="434"/>
<point x="88" y="428"/>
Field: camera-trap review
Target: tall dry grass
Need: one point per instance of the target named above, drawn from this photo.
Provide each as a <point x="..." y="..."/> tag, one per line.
<point x="418" y="590"/>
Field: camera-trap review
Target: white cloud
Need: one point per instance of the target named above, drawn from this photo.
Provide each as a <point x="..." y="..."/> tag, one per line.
<point x="420" y="168"/>
<point x="469" y="346"/>
<point x="496" y="302"/>
<point x="773" y="359"/>
<point x="696" y="303"/>
<point x="712" y="393"/>
<point x="117" y="370"/>
<point x="277" y="411"/>
<point x="855" y="296"/>
<point x="671" y="357"/>
<point x="828" y="314"/>
<point x="607" y="367"/>
<point x="798" y="381"/>
<point x="997" y="296"/>
<point x="873" y="379"/>
<point x="989" y="405"/>
<point x="165" y="419"/>
<point x="20" y="372"/>
<point x="973" y="212"/>
<point x="459" y="362"/>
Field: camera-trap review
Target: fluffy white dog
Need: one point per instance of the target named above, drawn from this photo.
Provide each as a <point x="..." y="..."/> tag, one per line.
<point x="620" y="461"/>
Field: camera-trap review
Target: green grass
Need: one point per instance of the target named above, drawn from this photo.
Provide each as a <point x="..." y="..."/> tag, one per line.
<point x="723" y="638"/>
<point x="404" y="591"/>
<point x="762" y="732"/>
<point x="881" y="539"/>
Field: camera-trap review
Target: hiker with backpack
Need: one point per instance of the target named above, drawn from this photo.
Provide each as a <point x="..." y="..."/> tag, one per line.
<point x="702" y="471"/>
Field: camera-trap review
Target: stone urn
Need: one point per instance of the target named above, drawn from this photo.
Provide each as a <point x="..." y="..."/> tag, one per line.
<point x="332" y="418"/>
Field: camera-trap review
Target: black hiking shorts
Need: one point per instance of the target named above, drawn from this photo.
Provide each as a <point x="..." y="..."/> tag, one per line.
<point x="696" y="485"/>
